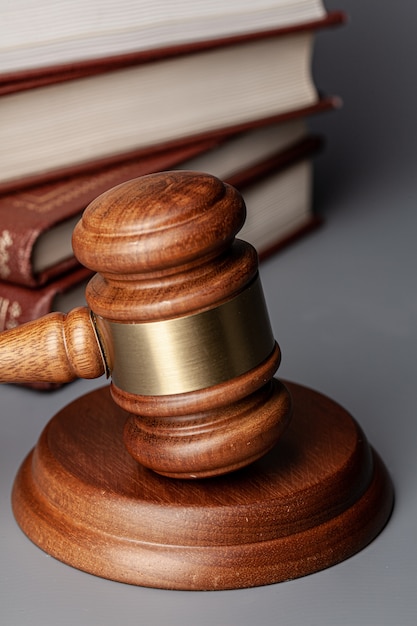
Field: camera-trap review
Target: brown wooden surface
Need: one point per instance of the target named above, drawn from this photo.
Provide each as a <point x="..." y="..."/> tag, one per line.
<point x="320" y="495"/>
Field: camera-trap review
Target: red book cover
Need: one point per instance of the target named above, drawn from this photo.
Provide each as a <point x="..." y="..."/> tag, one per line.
<point x="141" y="105"/>
<point x="171" y="149"/>
<point x="39" y="77"/>
<point x="278" y="232"/>
<point x="33" y="213"/>
<point x="28" y="214"/>
<point x="19" y="304"/>
<point x="25" y="216"/>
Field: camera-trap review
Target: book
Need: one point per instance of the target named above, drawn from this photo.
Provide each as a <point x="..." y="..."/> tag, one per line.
<point x="279" y="207"/>
<point x="277" y="193"/>
<point x="50" y="37"/>
<point x="36" y="223"/>
<point x="161" y="103"/>
<point x="196" y="145"/>
<point x="20" y="304"/>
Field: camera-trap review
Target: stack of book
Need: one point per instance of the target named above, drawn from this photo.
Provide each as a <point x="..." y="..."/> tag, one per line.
<point x="93" y="94"/>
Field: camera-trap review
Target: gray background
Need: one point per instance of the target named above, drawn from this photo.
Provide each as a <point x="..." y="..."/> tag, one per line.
<point x="371" y="63"/>
<point x="343" y="305"/>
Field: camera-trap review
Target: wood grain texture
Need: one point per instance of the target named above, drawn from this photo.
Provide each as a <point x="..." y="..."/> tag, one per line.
<point x="318" y="497"/>
<point x="164" y="247"/>
<point x="56" y="348"/>
<point x="267" y="498"/>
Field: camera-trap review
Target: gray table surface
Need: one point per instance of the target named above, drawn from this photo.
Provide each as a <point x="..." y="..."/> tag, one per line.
<point x="343" y="306"/>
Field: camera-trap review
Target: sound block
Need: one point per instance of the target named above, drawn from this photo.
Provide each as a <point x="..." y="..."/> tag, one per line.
<point x="317" y="498"/>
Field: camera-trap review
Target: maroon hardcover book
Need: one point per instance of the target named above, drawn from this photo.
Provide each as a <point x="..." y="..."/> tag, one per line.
<point x="171" y="149"/>
<point x="273" y="225"/>
<point x="39" y="77"/>
<point x="31" y="214"/>
<point x="19" y="304"/>
<point x="145" y="102"/>
<point x="33" y="217"/>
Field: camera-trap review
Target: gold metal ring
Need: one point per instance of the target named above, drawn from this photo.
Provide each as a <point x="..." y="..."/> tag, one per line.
<point x="191" y="352"/>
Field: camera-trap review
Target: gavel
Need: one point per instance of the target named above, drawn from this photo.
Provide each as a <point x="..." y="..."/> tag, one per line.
<point x="285" y="482"/>
<point x="176" y="317"/>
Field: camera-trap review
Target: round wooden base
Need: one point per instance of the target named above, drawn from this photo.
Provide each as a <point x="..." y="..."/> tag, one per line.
<point x="317" y="498"/>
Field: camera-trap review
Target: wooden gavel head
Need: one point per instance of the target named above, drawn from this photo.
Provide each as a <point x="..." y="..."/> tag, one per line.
<point x="177" y="318"/>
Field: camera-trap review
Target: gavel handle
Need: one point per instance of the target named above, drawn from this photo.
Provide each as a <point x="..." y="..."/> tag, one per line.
<point x="56" y="348"/>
